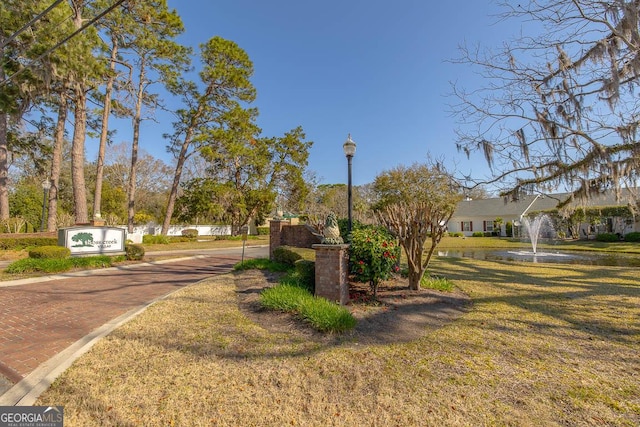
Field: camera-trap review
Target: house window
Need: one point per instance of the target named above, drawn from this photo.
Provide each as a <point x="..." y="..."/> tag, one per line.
<point x="488" y="226"/>
<point x="466" y="225"/>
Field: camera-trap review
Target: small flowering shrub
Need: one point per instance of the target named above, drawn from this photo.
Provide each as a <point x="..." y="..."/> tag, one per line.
<point x="373" y="256"/>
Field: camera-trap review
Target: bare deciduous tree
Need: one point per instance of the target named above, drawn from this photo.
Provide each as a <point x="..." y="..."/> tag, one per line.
<point x="559" y="107"/>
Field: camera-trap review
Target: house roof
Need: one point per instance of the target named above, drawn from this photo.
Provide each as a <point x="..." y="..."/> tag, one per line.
<point x="503" y="207"/>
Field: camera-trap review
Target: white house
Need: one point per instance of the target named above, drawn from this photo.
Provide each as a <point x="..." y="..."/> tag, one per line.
<point x="480" y="215"/>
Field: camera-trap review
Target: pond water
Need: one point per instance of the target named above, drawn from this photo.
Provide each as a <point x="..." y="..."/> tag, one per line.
<point x="552" y="256"/>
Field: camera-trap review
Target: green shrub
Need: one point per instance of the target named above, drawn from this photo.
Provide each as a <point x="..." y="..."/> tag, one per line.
<point x="343" y="226"/>
<point x="56" y="265"/>
<point x="294" y="278"/>
<point x="373" y="255"/>
<point x="190" y="233"/>
<point x="307" y="271"/>
<point x="477" y="234"/>
<point x="134" y="252"/>
<point x="632" y="237"/>
<point x="456" y="234"/>
<point x="509" y="229"/>
<point x="155" y="239"/>
<point x="264" y="231"/>
<point x="286" y="255"/>
<point x="51" y="252"/>
<point x="607" y="237"/>
<point x="19" y="243"/>
<point x="45" y="265"/>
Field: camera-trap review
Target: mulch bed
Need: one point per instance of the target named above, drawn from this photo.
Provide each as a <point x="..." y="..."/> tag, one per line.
<point x="398" y="314"/>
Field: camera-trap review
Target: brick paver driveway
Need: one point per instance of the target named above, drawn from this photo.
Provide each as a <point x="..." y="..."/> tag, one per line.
<point x="39" y="320"/>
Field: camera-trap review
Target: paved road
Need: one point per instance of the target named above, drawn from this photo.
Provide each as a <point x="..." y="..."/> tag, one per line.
<point x="47" y="322"/>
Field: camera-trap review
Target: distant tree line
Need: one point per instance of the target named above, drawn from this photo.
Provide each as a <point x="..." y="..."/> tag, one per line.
<point x="69" y="67"/>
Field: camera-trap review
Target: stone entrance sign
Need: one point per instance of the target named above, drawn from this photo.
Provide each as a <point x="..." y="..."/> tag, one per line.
<point x="91" y="240"/>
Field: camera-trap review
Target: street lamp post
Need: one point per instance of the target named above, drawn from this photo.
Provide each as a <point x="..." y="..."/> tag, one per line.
<point x="349" y="148"/>
<point x="46" y="185"/>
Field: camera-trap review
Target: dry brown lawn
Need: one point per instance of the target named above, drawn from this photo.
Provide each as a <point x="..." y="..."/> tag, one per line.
<point x="539" y="345"/>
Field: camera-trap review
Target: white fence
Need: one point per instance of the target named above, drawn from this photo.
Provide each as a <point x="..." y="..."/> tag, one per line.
<point x="176" y="230"/>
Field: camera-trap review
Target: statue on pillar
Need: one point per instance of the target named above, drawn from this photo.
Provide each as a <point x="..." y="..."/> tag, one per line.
<point x="331" y="231"/>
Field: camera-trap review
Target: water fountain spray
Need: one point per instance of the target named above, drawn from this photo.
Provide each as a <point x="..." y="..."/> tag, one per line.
<point x="534" y="227"/>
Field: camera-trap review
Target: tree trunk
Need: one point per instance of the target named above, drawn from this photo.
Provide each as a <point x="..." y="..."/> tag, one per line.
<point x="4" y="155"/>
<point x="4" y="164"/>
<point x="104" y="131"/>
<point x="56" y="162"/>
<point x="414" y="279"/>
<point x="176" y="182"/>
<point x="182" y="158"/>
<point x="79" y="133"/>
<point x="77" y="156"/>
<point x="131" y="190"/>
<point x="413" y="251"/>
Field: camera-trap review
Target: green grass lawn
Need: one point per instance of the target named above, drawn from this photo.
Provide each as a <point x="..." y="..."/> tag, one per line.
<point x="569" y="245"/>
<point x="542" y="345"/>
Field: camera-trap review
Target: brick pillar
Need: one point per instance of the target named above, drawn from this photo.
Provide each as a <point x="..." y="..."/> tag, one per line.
<point x="275" y="235"/>
<point x="332" y="272"/>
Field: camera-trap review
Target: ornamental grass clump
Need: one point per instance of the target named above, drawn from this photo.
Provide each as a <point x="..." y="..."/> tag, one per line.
<point x="373" y="256"/>
<point x="294" y="294"/>
<point x="324" y="315"/>
<point x="284" y="297"/>
<point x="320" y="313"/>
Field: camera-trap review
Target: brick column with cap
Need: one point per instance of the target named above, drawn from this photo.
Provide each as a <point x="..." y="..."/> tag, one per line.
<point x="332" y="272"/>
<point x="275" y="235"/>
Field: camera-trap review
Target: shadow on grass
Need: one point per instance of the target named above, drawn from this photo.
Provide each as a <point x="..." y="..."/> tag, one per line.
<point x="583" y="302"/>
<point x="602" y="301"/>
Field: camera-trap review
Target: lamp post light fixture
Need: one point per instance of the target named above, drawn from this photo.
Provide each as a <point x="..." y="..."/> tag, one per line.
<point x="46" y="185"/>
<point x="349" y="148"/>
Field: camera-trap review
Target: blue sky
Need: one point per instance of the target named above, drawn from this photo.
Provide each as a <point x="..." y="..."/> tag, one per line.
<point x="375" y="69"/>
